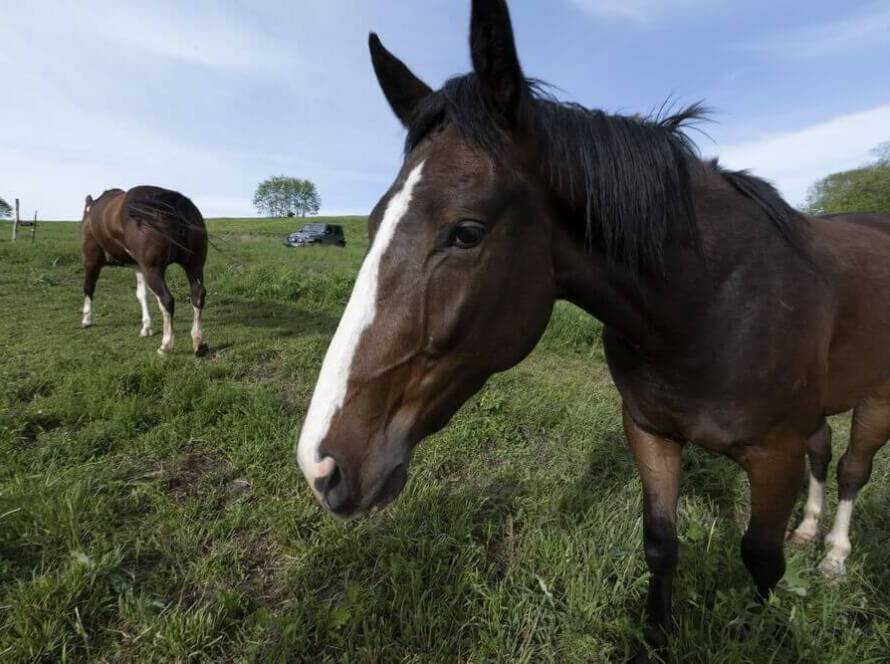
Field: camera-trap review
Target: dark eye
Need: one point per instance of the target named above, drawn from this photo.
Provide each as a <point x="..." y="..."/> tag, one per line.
<point x="467" y="234"/>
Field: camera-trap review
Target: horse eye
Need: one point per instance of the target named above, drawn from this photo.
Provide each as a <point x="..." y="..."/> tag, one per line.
<point x="467" y="234"/>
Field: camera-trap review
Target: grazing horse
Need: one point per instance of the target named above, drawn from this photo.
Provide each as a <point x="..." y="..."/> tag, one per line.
<point x="149" y="228"/>
<point x="731" y="321"/>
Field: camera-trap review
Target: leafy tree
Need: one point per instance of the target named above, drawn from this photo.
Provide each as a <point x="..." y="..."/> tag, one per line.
<point x="308" y="200"/>
<point x="5" y="209"/>
<point x="865" y="189"/>
<point x="282" y="196"/>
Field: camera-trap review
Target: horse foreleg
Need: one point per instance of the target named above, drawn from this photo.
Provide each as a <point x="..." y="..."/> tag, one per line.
<point x="658" y="461"/>
<point x="775" y="471"/>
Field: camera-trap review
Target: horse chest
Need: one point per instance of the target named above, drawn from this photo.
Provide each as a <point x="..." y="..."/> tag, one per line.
<point x="689" y="404"/>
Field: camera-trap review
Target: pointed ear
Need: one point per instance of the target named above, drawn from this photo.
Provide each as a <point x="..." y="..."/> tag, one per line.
<point x="402" y="89"/>
<point x="88" y="203"/>
<point x="494" y="57"/>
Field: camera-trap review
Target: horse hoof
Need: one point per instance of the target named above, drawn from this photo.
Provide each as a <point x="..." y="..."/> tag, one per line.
<point x="833" y="568"/>
<point x="202" y="350"/>
<point x="87" y="323"/>
<point x="164" y="351"/>
<point x="146" y="332"/>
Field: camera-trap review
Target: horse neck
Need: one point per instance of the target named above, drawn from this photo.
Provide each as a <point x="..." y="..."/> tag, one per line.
<point x="587" y="279"/>
<point x="652" y="311"/>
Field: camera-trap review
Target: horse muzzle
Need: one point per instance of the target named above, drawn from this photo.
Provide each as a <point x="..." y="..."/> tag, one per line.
<point x="348" y="489"/>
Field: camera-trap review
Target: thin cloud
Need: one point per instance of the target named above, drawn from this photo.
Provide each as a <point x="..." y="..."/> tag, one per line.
<point x="213" y="42"/>
<point x="636" y="10"/>
<point x="825" y="38"/>
<point x="795" y="160"/>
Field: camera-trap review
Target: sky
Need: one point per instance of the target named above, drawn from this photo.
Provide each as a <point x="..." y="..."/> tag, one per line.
<point x="209" y="98"/>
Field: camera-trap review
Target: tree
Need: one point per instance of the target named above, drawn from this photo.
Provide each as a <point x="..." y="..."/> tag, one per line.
<point x="308" y="200"/>
<point x="864" y="189"/>
<point x="282" y="196"/>
<point x="5" y="209"/>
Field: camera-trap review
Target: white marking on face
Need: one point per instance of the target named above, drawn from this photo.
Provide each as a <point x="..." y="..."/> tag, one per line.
<point x="838" y="541"/>
<point x="330" y="390"/>
<point x="142" y="296"/>
<point x="87" y="311"/>
<point x="812" y="511"/>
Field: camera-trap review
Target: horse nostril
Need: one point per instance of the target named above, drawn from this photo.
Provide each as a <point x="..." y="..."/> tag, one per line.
<point x="336" y="490"/>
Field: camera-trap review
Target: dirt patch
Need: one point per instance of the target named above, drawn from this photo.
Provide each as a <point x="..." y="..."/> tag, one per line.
<point x="261" y="564"/>
<point x="185" y="477"/>
<point x="257" y="562"/>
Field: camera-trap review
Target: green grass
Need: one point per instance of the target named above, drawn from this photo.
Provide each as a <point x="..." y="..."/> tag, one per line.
<point x="151" y="509"/>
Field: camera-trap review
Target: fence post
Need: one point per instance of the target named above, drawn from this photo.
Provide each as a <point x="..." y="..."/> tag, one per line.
<point x="34" y="228"/>
<point x="15" y="222"/>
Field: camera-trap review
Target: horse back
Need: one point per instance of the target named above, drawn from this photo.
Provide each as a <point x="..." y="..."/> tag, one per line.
<point x="878" y="222"/>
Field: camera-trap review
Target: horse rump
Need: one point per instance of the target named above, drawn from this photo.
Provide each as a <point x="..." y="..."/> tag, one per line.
<point x="169" y="214"/>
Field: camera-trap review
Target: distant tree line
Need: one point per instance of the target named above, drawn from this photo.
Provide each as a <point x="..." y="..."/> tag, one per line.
<point x="5" y="209"/>
<point x="864" y="189"/>
<point x="282" y="196"/>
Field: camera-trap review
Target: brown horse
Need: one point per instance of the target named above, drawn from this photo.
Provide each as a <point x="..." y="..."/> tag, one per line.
<point x="149" y="228"/>
<point x="731" y="321"/>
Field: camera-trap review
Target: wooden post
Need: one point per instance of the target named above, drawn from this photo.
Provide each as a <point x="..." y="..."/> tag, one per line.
<point x="15" y="222"/>
<point x="34" y="228"/>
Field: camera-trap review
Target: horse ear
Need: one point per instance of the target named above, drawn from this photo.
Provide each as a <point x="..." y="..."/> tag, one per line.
<point x="402" y="89"/>
<point x="88" y="203"/>
<point x="494" y="57"/>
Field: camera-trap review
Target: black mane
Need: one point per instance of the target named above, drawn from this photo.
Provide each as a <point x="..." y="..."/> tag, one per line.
<point x="630" y="176"/>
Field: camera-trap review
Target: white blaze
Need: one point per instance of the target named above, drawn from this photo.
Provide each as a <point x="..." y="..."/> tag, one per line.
<point x="330" y="390"/>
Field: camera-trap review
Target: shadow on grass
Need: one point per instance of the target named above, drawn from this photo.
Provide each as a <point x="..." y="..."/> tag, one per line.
<point x="403" y="584"/>
<point x="609" y="468"/>
<point x="278" y="318"/>
<point x="714" y="478"/>
<point x="871" y="541"/>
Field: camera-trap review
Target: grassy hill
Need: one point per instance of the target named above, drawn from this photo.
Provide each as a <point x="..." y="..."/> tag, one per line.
<point x="151" y="508"/>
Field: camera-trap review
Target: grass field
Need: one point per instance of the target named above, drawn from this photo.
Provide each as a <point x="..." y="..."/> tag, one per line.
<point x="151" y="508"/>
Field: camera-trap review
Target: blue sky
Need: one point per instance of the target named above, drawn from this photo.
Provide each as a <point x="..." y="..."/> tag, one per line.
<point x="211" y="97"/>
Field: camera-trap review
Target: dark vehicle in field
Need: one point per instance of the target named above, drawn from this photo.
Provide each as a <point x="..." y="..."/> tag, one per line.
<point x="317" y="234"/>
